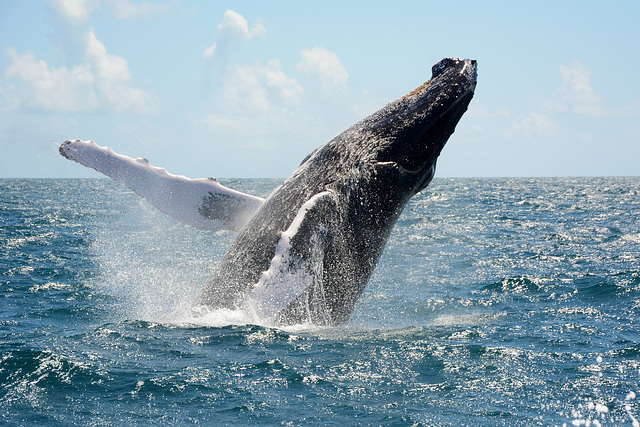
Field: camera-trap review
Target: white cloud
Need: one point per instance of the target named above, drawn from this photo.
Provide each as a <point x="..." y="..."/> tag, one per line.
<point x="125" y="9"/>
<point x="34" y="85"/>
<point x="234" y="26"/>
<point x="107" y="67"/>
<point x="533" y="125"/>
<point x="262" y="106"/>
<point x="324" y="67"/>
<point x="113" y="80"/>
<point x="287" y="88"/>
<point x="261" y="87"/>
<point x="75" y="12"/>
<point x="258" y="100"/>
<point x="258" y="105"/>
<point x="210" y="51"/>
<point x="97" y="80"/>
<point x="576" y="94"/>
<point x="78" y="12"/>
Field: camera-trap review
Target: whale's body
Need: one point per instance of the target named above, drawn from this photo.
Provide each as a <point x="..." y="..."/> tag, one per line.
<point x="345" y="198"/>
<point x="307" y="254"/>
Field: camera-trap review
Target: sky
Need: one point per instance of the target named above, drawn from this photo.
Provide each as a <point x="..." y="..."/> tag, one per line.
<point x="246" y="89"/>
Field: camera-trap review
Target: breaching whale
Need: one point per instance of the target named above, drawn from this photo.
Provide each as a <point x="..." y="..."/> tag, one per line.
<point x="305" y="254"/>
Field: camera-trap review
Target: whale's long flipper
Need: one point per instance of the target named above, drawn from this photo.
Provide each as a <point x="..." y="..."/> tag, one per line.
<point x="293" y="284"/>
<point x="201" y="202"/>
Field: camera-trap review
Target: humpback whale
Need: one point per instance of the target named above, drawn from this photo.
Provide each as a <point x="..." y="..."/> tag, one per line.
<point x="306" y="253"/>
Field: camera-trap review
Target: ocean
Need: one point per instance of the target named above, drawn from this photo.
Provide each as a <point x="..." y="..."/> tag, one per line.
<point x="497" y="302"/>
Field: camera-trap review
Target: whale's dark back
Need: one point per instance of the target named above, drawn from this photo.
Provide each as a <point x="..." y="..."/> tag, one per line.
<point x="369" y="172"/>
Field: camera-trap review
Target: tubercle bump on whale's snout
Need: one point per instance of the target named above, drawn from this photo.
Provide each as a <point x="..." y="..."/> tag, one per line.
<point x="445" y="63"/>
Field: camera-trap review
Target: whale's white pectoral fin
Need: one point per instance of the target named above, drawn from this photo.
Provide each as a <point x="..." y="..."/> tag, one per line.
<point x="296" y="270"/>
<point x="201" y="202"/>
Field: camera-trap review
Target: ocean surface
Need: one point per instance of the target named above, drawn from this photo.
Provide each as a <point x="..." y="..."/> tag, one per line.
<point x="496" y="302"/>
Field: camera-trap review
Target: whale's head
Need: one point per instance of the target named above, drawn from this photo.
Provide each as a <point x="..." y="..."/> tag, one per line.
<point x="412" y="131"/>
<point x="388" y="157"/>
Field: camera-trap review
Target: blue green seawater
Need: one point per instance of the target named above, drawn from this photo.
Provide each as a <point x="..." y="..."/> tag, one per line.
<point x="496" y="302"/>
